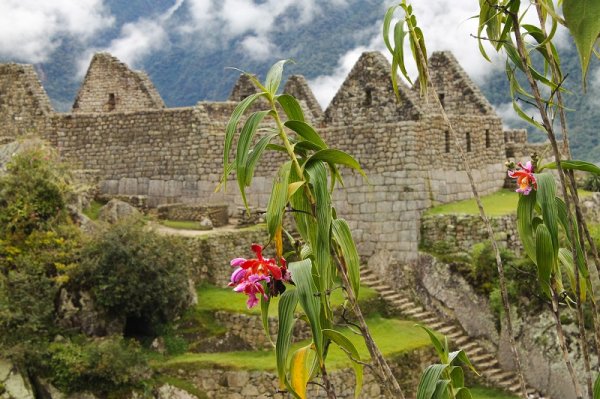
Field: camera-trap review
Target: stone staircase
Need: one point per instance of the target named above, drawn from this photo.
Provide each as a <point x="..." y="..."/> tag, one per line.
<point x="484" y="362"/>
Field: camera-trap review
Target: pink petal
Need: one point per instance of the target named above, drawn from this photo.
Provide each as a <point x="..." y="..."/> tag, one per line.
<point x="237" y="261"/>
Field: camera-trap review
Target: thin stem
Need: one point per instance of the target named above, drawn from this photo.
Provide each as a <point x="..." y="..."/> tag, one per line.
<point x="488" y="225"/>
<point x="562" y="343"/>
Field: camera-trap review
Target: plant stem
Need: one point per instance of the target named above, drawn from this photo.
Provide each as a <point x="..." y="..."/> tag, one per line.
<point x="557" y="156"/>
<point x="389" y="382"/>
<point x="562" y="343"/>
<point x="488" y="225"/>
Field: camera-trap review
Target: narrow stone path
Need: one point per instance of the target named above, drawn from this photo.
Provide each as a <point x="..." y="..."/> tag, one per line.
<point x="485" y="362"/>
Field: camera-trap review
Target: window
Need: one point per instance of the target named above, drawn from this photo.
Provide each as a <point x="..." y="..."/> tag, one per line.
<point x="368" y="97"/>
<point x="447" y="142"/>
<point x="441" y="97"/>
<point x="487" y="139"/>
<point x="112" y="102"/>
<point x="468" y="142"/>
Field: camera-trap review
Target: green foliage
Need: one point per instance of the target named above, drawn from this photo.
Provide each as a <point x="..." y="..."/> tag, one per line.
<point x="98" y="365"/>
<point x="444" y="379"/>
<point x="133" y="272"/>
<point x="592" y="183"/>
<point x="582" y="18"/>
<point x="32" y="193"/>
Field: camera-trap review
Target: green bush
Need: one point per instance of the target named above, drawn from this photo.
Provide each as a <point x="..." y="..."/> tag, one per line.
<point x="32" y="193"/>
<point x="592" y="183"/>
<point x="98" y="365"/>
<point x="32" y="272"/>
<point x="484" y="270"/>
<point x="136" y="274"/>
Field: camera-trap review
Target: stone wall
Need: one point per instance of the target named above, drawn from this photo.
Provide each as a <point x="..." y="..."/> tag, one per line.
<point x="459" y="233"/>
<point x="211" y="253"/>
<point x="110" y="86"/>
<point x="231" y="384"/>
<point x="250" y="330"/>
<point x="218" y="214"/>
<point x="24" y="105"/>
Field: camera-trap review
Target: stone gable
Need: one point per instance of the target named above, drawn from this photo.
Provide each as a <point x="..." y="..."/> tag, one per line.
<point x="110" y="86"/>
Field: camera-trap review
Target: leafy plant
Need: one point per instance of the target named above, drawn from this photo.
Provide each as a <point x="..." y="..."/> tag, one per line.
<point x="302" y="187"/>
<point x="99" y="365"/>
<point x="135" y="273"/>
<point x="444" y="380"/>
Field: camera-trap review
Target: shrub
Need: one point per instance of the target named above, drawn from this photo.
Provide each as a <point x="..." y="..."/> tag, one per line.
<point x="99" y="365"/>
<point x="592" y="183"/>
<point x="32" y="193"/>
<point x="136" y="274"/>
<point x="484" y="270"/>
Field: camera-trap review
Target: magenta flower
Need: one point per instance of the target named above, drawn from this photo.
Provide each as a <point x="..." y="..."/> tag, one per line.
<point x="525" y="178"/>
<point x="249" y="275"/>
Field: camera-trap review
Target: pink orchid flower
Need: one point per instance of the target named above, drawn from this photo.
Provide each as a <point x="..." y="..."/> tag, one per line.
<point x="525" y="178"/>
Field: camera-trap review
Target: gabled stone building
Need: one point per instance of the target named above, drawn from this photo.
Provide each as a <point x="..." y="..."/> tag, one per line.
<point x="120" y="130"/>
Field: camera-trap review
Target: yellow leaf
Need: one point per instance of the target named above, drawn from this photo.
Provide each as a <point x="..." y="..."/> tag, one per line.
<point x="299" y="371"/>
<point x="279" y="241"/>
<point x="293" y="187"/>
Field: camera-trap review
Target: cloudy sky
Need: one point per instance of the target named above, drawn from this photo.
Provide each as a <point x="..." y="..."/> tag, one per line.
<point x="30" y="30"/>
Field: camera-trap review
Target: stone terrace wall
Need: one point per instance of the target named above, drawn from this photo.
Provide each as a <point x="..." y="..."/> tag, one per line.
<point x="459" y="233"/>
<point x="231" y="384"/>
<point x="24" y="105"/>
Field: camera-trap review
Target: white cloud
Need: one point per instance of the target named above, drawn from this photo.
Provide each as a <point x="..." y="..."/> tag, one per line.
<point x="247" y="22"/>
<point x="136" y="40"/>
<point x="30" y="30"/>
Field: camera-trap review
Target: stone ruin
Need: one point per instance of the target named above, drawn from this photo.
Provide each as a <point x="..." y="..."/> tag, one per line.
<point x="120" y="132"/>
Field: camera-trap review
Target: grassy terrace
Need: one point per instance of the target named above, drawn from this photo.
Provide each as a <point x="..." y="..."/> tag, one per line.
<point x="393" y="336"/>
<point x="503" y="202"/>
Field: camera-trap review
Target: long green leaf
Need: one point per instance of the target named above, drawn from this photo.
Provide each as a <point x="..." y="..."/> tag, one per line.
<point x="352" y="353"/>
<point x="278" y="199"/>
<point x="274" y="77"/>
<point x="255" y="155"/>
<point x="546" y="198"/>
<point x="287" y="306"/>
<point x="343" y="237"/>
<point x="524" y="223"/>
<point x="309" y="300"/>
<point x="264" y="314"/>
<point x="441" y="390"/>
<point x="237" y="113"/>
<point x="463" y="393"/>
<point x="574" y="165"/>
<point x="243" y="148"/>
<point x="597" y="387"/>
<point x="291" y="107"/>
<point x="336" y="157"/>
<point x="437" y="344"/>
<point x="307" y="132"/>
<point x="462" y="357"/>
<point x="457" y="376"/>
<point x="582" y="18"/>
<point x="544" y="256"/>
<point x="321" y="248"/>
<point x="429" y="380"/>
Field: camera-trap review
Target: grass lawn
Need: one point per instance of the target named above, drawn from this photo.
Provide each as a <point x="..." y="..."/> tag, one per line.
<point x="183" y="224"/>
<point x="488" y="393"/>
<point x="392" y="336"/>
<point x="93" y="211"/>
<point x="211" y="298"/>
<point x="503" y="202"/>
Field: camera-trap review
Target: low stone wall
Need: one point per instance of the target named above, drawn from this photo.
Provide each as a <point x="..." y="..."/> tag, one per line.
<point x="229" y="384"/>
<point x="211" y="253"/>
<point x="218" y="214"/>
<point x="458" y="233"/>
<point x="249" y="329"/>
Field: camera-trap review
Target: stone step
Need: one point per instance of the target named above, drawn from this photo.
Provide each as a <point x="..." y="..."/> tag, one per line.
<point x="422" y="316"/>
<point x="415" y="310"/>
<point x="430" y="321"/>
<point x="394" y="297"/>
<point x="485" y="366"/>
<point x="448" y="329"/>
<point x="400" y="302"/>
<point x="503" y="376"/>
<point x="481" y="358"/>
<point x="437" y="325"/>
